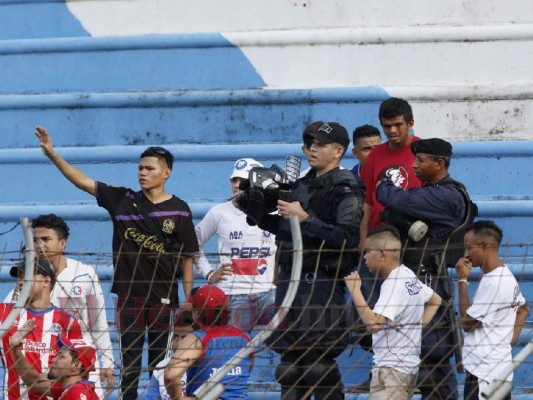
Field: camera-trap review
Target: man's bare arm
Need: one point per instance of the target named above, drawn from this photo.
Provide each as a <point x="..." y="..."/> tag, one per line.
<point x="521" y="315"/>
<point x="363" y="229"/>
<point x="373" y="322"/>
<point x="463" y="268"/>
<point x="188" y="275"/>
<point x="189" y="350"/>
<point x="74" y="175"/>
<point x="430" y="309"/>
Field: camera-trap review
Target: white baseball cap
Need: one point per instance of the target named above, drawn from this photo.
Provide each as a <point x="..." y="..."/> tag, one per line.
<point x="243" y="166"/>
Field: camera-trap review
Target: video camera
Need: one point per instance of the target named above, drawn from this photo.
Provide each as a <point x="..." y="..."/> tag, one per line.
<point x="265" y="186"/>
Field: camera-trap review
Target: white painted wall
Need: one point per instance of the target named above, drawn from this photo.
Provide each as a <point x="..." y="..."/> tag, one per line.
<point x="465" y="64"/>
<point x="137" y="17"/>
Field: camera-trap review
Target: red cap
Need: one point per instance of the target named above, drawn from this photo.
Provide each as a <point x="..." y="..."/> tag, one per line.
<point x="209" y="296"/>
<point x="86" y="353"/>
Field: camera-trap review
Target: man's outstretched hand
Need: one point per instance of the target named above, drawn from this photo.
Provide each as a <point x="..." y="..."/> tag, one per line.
<point x="44" y="140"/>
<point x="21" y="334"/>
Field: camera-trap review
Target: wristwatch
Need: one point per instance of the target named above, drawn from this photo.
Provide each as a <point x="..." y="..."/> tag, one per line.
<point x="305" y="223"/>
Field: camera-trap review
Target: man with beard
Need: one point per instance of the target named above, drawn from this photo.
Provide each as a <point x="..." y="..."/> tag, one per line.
<point x="40" y="346"/>
<point x="66" y="379"/>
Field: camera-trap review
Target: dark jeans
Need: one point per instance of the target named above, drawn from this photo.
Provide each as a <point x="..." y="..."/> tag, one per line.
<point x="472" y="388"/>
<point x="134" y="319"/>
<point x="436" y="376"/>
<point x="311" y="335"/>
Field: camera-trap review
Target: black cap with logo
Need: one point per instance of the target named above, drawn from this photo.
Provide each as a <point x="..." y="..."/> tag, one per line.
<point x="330" y="132"/>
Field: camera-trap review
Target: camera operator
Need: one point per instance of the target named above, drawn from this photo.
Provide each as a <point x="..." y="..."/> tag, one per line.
<point x="325" y="202"/>
<point x="432" y="220"/>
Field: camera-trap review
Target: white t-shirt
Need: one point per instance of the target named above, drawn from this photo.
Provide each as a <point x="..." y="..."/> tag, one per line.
<point x="401" y="300"/>
<point x="487" y="349"/>
<point x="249" y="249"/>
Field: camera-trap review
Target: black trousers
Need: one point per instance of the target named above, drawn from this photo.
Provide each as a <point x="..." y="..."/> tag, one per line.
<point x="311" y="336"/>
<point x="135" y="318"/>
<point x="436" y="375"/>
<point x="300" y="378"/>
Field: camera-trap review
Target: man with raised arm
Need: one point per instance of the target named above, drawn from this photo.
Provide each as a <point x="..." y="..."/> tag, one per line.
<point x="40" y="347"/>
<point x="67" y="378"/>
<point x="153" y="234"/>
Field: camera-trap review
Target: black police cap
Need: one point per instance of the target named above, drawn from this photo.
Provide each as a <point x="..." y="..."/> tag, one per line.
<point x="330" y="132"/>
<point x="434" y="146"/>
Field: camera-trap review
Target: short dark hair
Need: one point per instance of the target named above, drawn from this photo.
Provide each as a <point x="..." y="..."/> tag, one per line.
<point x="161" y="153"/>
<point x="447" y="159"/>
<point x="73" y="354"/>
<point x="385" y="229"/>
<point x="364" y="131"/>
<point x="486" y="228"/>
<point x="52" y="221"/>
<point x="394" y="107"/>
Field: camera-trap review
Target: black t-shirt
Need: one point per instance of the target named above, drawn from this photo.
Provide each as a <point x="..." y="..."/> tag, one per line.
<point x="142" y="268"/>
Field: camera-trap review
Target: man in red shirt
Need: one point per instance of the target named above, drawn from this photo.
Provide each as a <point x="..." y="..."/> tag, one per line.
<point x="392" y="159"/>
<point x="39" y="347"/>
<point x="68" y="373"/>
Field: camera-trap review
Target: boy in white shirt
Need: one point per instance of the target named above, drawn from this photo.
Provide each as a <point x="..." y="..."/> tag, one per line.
<point x="404" y="306"/>
<point x="498" y="311"/>
<point x="79" y="292"/>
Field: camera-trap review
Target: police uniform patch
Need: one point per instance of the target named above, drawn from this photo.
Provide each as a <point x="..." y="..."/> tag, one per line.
<point x="345" y="189"/>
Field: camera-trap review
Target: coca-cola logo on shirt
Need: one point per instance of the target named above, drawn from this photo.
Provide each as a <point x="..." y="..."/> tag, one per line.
<point x="397" y="174"/>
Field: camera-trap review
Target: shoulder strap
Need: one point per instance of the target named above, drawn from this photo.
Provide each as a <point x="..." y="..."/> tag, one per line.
<point x="471" y="207"/>
<point x="455" y="247"/>
<point x="450" y="181"/>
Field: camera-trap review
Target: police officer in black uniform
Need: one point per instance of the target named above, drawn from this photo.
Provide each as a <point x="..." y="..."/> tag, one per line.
<point x="314" y="331"/>
<point x="428" y="219"/>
